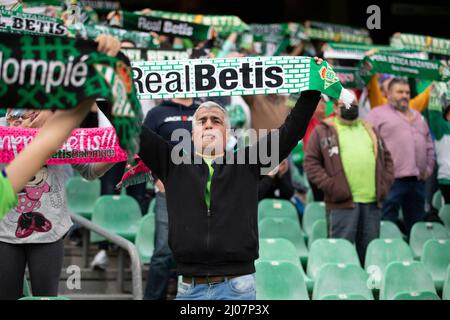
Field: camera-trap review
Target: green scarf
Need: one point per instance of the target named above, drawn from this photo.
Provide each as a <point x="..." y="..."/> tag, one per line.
<point x="358" y="51"/>
<point x="401" y="66"/>
<point x="421" y="43"/>
<point x="337" y="33"/>
<point x="224" y="25"/>
<point x="146" y="55"/>
<point x="45" y="72"/>
<point x="235" y="76"/>
<point x="270" y="39"/>
<point x="160" y="25"/>
<point x="14" y="21"/>
<point x="88" y="31"/>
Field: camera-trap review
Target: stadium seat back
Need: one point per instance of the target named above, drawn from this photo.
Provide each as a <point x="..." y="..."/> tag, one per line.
<point x="436" y="259"/>
<point x="319" y="231"/>
<point x="277" y="208"/>
<point x="145" y="238"/>
<point x="81" y="195"/>
<point x="389" y="230"/>
<point x="421" y="232"/>
<point x="313" y="211"/>
<point x="324" y="251"/>
<point x="405" y="277"/>
<point x="381" y="252"/>
<point x="338" y="279"/>
<point x="119" y="214"/>
<point x="437" y="202"/>
<point x="279" y="280"/>
<point x="444" y="214"/>
<point x="446" y="289"/>
<point x="278" y="249"/>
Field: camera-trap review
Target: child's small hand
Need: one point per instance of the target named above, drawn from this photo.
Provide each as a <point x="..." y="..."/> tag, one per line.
<point x="108" y="44"/>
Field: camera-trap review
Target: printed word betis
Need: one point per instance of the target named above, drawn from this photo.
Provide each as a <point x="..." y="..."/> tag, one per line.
<point x="199" y="77"/>
<point x="181" y="29"/>
<point x="31" y="23"/>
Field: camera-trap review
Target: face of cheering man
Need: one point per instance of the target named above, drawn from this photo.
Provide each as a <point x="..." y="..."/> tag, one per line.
<point x="399" y="95"/>
<point x="209" y="129"/>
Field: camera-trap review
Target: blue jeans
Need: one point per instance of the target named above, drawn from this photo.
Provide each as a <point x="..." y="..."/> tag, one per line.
<point x="239" y="288"/>
<point x="409" y="194"/>
<point x="159" y="272"/>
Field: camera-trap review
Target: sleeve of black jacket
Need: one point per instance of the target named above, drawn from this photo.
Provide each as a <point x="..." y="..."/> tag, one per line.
<point x="291" y="132"/>
<point x="155" y="152"/>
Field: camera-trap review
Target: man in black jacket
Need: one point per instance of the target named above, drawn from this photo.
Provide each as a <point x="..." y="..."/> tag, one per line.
<point x="212" y="198"/>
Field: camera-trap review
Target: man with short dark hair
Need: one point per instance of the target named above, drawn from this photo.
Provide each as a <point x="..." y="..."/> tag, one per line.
<point x="408" y="138"/>
<point x="212" y="198"/>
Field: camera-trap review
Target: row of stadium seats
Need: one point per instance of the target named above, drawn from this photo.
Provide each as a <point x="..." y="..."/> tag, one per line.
<point x="283" y="241"/>
<point x="334" y="272"/>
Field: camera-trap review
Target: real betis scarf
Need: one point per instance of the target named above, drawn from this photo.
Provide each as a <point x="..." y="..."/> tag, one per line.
<point x="155" y="55"/>
<point x="11" y="21"/>
<point x="174" y="28"/>
<point x="349" y="77"/>
<point x="235" y="77"/>
<point x="106" y="5"/>
<point x="88" y="31"/>
<point x="337" y="33"/>
<point x="401" y="66"/>
<point x="224" y="25"/>
<point x="421" y="43"/>
<point x="83" y="146"/>
<point x="358" y="51"/>
<point x="45" y="72"/>
<point x="270" y="39"/>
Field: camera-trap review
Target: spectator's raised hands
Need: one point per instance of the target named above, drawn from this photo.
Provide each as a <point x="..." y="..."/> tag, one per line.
<point x="108" y="44"/>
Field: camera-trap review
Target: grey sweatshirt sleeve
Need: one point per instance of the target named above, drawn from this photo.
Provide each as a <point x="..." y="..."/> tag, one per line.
<point x="86" y="170"/>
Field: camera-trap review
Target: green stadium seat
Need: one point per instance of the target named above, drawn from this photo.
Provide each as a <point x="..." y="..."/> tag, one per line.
<point x="437" y="200"/>
<point x="325" y="251"/>
<point x="279" y="280"/>
<point x="118" y="214"/>
<point x="436" y="259"/>
<point x="81" y="195"/>
<point x="309" y="196"/>
<point x="287" y="229"/>
<point x="337" y="279"/>
<point x="319" y="231"/>
<point x="277" y="208"/>
<point x="313" y="211"/>
<point x="343" y="296"/>
<point x="444" y="214"/>
<point x="151" y="207"/>
<point x="44" y="298"/>
<point x="416" y="296"/>
<point x="423" y="231"/>
<point x="278" y="249"/>
<point x="381" y="252"/>
<point x="389" y="230"/>
<point x="405" y="277"/>
<point x="26" y="287"/>
<point x="145" y="238"/>
<point x="446" y="290"/>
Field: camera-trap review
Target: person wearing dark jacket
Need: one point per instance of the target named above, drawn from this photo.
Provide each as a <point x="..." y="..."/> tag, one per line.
<point x="164" y="119"/>
<point x="277" y="184"/>
<point x="348" y="160"/>
<point x="212" y="198"/>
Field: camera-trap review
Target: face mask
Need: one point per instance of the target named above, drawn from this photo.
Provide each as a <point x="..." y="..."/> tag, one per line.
<point x="349" y="114"/>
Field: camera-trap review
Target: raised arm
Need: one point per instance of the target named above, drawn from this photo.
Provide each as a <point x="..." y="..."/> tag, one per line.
<point x="50" y="137"/>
